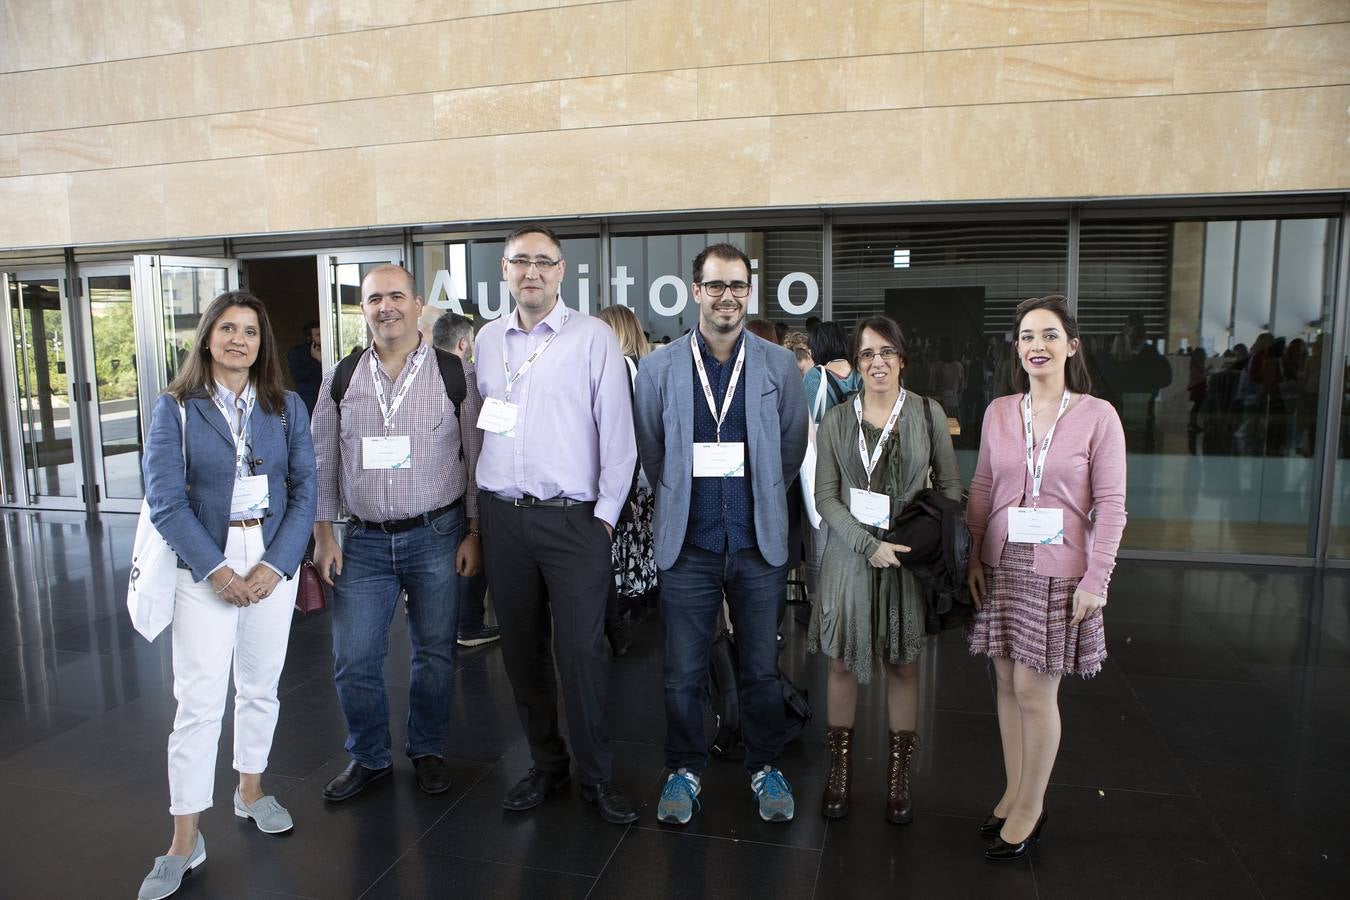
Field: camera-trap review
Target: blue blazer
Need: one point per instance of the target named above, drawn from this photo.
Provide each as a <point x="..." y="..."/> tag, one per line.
<point x="775" y="418"/>
<point x="192" y="510"/>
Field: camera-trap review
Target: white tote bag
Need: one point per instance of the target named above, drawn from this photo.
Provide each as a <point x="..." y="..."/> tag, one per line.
<point x="154" y="569"/>
<point x="807" y="473"/>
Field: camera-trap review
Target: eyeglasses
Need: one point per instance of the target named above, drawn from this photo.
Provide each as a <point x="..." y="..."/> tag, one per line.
<point x="886" y="353"/>
<point x="716" y="289"/>
<point x="542" y="263"/>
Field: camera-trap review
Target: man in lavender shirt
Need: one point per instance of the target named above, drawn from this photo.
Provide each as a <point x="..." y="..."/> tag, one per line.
<point x="556" y="466"/>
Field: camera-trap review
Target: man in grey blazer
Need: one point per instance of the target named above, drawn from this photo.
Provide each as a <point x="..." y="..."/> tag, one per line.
<point x="721" y="428"/>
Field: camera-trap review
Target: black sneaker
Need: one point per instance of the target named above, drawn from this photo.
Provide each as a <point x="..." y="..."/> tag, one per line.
<point x="485" y="635"/>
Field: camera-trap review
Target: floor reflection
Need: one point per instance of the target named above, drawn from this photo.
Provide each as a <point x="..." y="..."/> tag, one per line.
<point x="1215" y="746"/>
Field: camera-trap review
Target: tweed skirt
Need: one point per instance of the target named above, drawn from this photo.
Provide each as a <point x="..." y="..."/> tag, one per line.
<point x="1026" y="617"/>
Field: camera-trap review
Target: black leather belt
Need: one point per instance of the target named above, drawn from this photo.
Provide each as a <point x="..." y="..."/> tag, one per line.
<point x="397" y="525"/>
<point x="528" y="502"/>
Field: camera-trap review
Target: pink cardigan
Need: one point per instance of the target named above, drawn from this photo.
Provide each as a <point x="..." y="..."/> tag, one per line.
<point x="1084" y="475"/>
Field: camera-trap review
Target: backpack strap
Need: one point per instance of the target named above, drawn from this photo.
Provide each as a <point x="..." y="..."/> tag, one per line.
<point x="818" y="407"/>
<point x="342" y="377"/>
<point x="932" y="441"/>
<point x="450" y="366"/>
<point x="452" y="376"/>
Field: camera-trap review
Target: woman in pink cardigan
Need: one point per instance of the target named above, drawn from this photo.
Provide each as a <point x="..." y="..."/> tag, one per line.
<point x="1046" y="513"/>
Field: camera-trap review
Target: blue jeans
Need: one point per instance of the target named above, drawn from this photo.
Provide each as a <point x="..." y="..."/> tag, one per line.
<point x="691" y="600"/>
<point x="375" y="568"/>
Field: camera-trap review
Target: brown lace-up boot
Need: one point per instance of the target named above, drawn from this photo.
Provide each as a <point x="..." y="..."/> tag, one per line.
<point x="834" y="803"/>
<point x="899" y="811"/>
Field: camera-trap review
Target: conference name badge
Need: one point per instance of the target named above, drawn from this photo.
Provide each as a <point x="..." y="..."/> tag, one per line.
<point x="498" y="417"/>
<point x="869" y="507"/>
<point x="250" y="497"/>
<point x="1029" y="525"/>
<point x="715" y="460"/>
<point x="389" y="452"/>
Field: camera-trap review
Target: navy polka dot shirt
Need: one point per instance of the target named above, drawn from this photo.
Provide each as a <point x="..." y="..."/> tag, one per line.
<point x="721" y="510"/>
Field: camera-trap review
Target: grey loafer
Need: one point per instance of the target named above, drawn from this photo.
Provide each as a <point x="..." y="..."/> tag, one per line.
<point x="167" y="875"/>
<point x="270" y="816"/>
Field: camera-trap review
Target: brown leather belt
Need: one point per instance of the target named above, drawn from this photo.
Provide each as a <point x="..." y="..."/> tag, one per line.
<point x="246" y="523"/>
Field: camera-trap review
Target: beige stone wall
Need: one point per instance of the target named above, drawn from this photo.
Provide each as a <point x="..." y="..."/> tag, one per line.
<point x="123" y="120"/>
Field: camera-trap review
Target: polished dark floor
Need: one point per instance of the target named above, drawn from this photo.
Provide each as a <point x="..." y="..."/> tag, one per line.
<point x="1211" y="758"/>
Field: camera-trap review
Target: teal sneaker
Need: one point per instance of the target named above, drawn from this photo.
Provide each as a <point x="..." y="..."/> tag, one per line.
<point x="774" y="795"/>
<point x="679" y="798"/>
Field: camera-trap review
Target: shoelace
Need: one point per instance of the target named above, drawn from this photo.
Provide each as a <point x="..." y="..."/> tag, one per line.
<point x="774" y="786"/>
<point x="676" y="784"/>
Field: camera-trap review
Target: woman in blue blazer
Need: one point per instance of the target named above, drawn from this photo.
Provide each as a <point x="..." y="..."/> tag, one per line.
<point x="229" y="478"/>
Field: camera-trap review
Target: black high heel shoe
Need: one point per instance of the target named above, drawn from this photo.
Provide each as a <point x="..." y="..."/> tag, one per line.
<point x="1001" y="850"/>
<point x="991" y="826"/>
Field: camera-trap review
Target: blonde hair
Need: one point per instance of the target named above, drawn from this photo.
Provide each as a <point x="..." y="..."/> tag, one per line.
<point x="794" y="339"/>
<point x="627" y="329"/>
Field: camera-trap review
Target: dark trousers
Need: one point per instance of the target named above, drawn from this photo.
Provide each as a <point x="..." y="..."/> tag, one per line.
<point x="691" y="602"/>
<point x="549" y="572"/>
<point x="472" y="609"/>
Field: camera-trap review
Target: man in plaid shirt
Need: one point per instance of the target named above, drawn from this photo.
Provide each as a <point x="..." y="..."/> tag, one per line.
<point x="400" y="459"/>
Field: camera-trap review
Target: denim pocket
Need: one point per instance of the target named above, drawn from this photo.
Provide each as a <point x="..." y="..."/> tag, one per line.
<point x="448" y="523"/>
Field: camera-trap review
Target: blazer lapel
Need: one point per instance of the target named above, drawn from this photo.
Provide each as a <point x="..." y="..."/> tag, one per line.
<point x="685" y="390"/>
<point x="753" y="382"/>
<point x="207" y="410"/>
<point x="260" y="422"/>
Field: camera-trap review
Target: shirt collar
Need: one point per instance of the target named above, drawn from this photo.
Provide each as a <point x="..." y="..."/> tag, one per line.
<point x="554" y="320"/>
<point x="229" y="396"/>
<point x="708" y="358"/>
<point x="421" y="345"/>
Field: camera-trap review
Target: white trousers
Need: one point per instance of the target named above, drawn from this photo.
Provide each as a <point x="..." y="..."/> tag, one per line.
<point x="208" y="633"/>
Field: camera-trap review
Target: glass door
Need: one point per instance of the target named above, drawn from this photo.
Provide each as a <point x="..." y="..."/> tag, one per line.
<point x="341" y="324"/>
<point x="44" y="449"/>
<point x="114" y="407"/>
<point x="169" y="294"/>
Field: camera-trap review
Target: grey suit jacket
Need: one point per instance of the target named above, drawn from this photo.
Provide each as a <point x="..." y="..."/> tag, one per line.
<point x="775" y="417"/>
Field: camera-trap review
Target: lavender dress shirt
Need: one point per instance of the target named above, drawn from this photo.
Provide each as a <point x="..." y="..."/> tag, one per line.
<point x="574" y="434"/>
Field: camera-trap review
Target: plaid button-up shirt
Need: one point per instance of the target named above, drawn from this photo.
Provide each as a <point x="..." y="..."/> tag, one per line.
<point x="439" y="474"/>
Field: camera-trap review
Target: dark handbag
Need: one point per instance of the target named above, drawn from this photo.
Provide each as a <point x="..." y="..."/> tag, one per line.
<point x="309" y="597"/>
<point x="934" y="528"/>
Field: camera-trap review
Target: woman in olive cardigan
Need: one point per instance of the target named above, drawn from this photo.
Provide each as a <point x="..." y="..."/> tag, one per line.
<point x="869" y="607"/>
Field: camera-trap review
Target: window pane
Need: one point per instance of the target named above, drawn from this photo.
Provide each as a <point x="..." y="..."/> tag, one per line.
<point x="652" y="274"/>
<point x="953" y="289"/>
<point x="1207" y="338"/>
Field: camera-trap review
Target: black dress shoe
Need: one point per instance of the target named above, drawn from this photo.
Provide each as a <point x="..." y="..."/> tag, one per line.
<point x="615" y="806"/>
<point x="1001" y="850"/>
<point x="432" y="775"/>
<point x="531" y="790"/>
<point x="991" y="826"/>
<point x="352" y="781"/>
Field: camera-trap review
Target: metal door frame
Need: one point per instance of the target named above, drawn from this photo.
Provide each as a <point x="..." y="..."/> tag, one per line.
<point x="147" y="294"/>
<point x="17" y="481"/>
<point x="93" y="422"/>
<point x="327" y="262"/>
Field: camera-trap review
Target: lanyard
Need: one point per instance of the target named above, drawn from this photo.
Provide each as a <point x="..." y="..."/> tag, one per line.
<point x="240" y="433"/>
<point x="388" y="410"/>
<point x="707" y="388"/>
<point x="530" y="360"/>
<point x="870" y="464"/>
<point x="1037" y="469"/>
